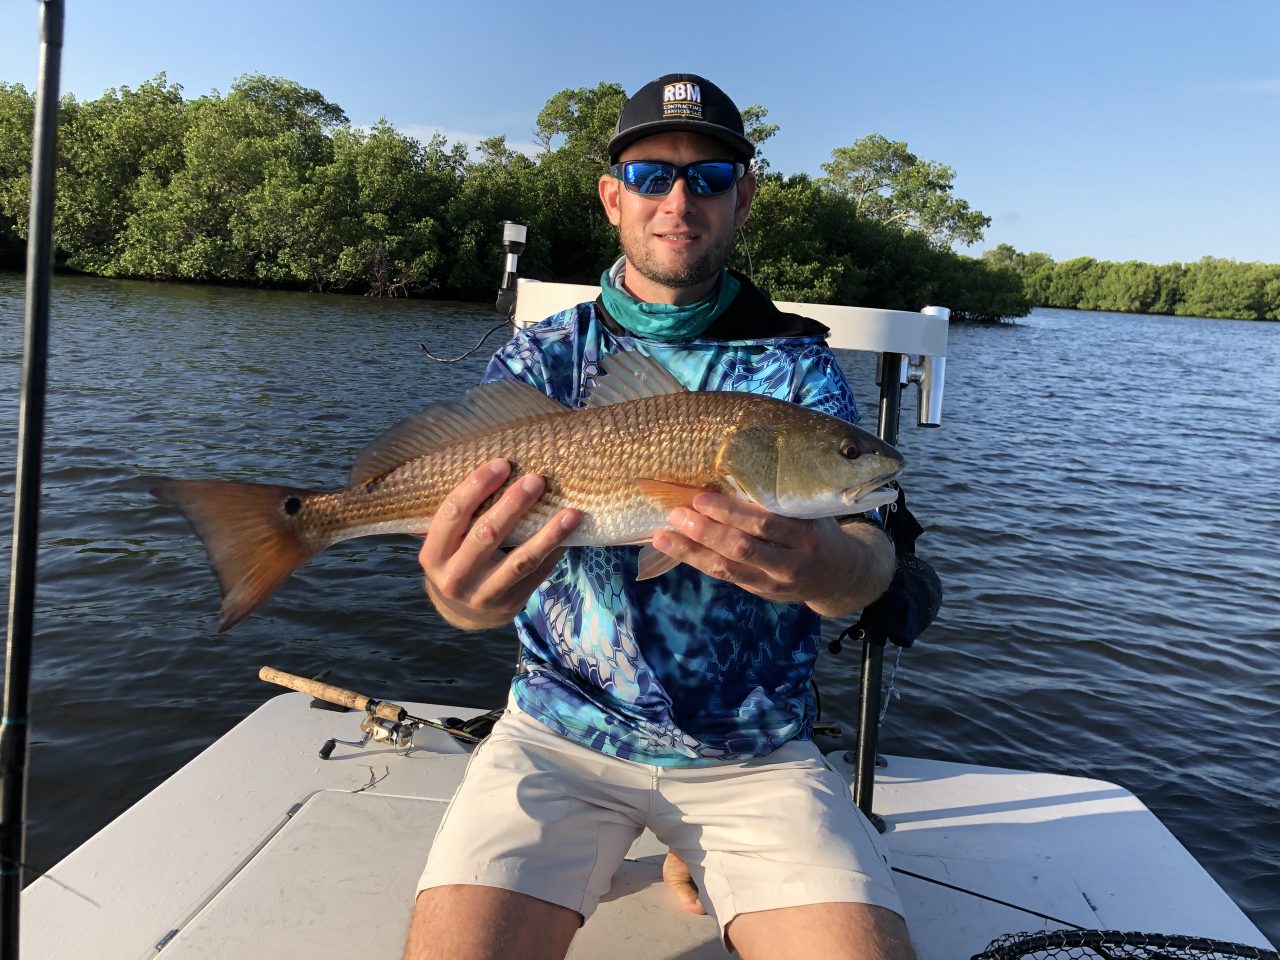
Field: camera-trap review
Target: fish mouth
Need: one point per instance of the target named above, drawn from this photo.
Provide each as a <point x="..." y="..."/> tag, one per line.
<point x="872" y="494"/>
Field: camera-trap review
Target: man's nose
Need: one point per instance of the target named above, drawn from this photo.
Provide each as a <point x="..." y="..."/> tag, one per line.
<point x="680" y="197"/>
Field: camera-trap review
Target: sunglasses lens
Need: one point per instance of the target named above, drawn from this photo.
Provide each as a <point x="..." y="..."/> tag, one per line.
<point x="711" y="178"/>
<point x="651" y="178"/>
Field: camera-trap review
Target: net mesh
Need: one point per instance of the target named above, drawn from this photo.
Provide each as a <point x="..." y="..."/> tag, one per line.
<point x="1115" y="945"/>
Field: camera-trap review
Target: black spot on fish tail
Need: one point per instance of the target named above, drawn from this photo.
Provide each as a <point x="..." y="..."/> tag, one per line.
<point x="252" y="547"/>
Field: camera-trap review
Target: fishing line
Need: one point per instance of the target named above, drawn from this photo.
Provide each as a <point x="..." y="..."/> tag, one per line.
<point x="52" y="879"/>
<point x="374" y="779"/>
<point x="501" y="326"/>
<point x="983" y="896"/>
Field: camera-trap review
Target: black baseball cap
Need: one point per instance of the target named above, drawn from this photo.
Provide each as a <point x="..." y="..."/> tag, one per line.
<point x="681" y="101"/>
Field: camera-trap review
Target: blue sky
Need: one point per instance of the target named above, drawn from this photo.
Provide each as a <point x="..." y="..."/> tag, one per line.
<point x="1120" y="130"/>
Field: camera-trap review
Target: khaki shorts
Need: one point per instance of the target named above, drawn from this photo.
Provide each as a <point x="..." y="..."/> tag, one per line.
<point x="541" y="815"/>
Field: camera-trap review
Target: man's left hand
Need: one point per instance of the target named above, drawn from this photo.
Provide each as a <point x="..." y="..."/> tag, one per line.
<point x="817" y="562"/>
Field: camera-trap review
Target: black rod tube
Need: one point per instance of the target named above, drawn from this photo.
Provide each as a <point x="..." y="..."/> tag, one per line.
<point x="868" y="723"/>
<point x="26" y="508"/>
<point x="873" y="647"/>
<point x="890" y="397"/>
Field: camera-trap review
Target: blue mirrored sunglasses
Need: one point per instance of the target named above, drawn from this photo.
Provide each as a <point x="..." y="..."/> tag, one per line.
<point x="652" y="178"/>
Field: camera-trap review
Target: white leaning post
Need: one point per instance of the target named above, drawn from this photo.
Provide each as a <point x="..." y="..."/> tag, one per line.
<point x="920" y="338"/>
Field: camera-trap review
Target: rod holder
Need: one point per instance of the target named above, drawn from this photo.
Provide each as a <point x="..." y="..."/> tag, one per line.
<point x="928" y="373"/>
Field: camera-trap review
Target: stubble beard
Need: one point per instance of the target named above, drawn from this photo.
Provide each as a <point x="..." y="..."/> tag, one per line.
<point x="691" y="273"/>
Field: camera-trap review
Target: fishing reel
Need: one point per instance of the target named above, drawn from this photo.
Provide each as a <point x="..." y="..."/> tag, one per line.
<point x="398" y="733"/>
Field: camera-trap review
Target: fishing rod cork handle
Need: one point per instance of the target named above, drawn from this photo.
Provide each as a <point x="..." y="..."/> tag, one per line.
<point x="331" y="694"/>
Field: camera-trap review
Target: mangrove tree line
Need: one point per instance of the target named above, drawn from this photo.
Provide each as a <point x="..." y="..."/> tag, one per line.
<point x="1210" y="287"/>
<point x="271" y="185"/>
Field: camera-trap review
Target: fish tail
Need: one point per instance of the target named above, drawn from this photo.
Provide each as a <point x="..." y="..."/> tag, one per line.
<point x="252" y="545"/>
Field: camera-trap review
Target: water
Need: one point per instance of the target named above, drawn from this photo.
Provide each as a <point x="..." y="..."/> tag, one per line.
<point x="1101" y="505"/>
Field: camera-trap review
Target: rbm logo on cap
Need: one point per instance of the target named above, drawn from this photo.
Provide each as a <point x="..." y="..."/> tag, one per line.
<point x="684" y="92"/>
<point x="682" y="100"/>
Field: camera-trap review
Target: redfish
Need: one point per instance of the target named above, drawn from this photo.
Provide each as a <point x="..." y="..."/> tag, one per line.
<point x="641" y="446"/>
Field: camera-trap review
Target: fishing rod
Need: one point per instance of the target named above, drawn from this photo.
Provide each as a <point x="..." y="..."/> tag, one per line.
<point x="383" y="720"/>
<point x="27" y="474"/>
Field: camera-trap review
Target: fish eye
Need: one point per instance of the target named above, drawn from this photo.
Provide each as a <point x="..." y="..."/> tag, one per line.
<point x="849" y="450"/>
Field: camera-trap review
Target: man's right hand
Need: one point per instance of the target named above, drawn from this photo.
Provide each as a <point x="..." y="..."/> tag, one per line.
<point x="472" y="582"/>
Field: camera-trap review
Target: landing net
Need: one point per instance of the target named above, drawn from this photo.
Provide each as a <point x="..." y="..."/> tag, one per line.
<point x="1115" y="945"/>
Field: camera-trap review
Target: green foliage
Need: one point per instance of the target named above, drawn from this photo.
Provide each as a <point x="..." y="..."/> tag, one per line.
<point x="807" y="243"/>
<point x="570" y="230"/>
<point x="889" y="184"/>
<point x="270" y="185"/>
<point x="367" y="217"/>
<point x="1211" y="287"/>
<point x="800" y="243"/>
<point x="110" y="146"/>
<point x="757" y="131"/>
<point x="499" y="186"/>
<point x="1228" y="290"/>
<point x="229" y="210"/>
<point x="17" y="115"/>
<point x="581" y="123"/>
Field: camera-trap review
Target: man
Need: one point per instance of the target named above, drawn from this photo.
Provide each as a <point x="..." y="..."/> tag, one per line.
<point x="680" y="703"/>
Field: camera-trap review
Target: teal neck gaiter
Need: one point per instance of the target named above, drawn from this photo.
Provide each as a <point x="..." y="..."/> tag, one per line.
<point x="664" y="321"/>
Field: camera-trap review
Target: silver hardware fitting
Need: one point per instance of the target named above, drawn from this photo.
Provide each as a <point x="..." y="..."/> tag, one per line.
<point x="398" y="733"/>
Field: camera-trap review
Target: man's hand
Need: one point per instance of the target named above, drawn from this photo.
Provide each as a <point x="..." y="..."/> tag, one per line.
<point x="474" y="584"/>
<point x="675" y="873"/>
<point x="833" y="569"/>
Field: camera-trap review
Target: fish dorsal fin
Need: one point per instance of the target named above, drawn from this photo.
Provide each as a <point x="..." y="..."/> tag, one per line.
<point x="483" y="408"/>
<point x="630" y="376"/>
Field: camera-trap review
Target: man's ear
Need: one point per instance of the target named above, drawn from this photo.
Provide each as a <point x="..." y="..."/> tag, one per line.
<point x="609" y="189"/>
<point x="746" y="193"/>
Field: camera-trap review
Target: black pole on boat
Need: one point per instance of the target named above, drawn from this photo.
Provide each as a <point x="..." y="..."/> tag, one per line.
<point x="864" y="778"/>
<point x="26" y="511"/>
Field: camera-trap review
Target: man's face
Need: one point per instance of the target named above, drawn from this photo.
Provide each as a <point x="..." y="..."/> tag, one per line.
<point x="675" y="244"/>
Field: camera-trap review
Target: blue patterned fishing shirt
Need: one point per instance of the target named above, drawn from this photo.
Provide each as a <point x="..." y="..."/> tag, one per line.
<point x="682" y="669"/>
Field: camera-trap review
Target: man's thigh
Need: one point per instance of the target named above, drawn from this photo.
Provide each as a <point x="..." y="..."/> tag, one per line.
<point x="821" y="931"/>
<point x="777" y="832"/>
<point x="488" y="923"/>
<point x="540" y="816"/>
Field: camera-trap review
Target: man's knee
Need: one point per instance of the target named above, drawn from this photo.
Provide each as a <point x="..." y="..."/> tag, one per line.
<point x="471" y="922"/>
<point x="822" y="930"/>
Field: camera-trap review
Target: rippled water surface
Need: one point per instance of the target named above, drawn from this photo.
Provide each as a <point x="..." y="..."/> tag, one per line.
<point x="1102" y="504"/>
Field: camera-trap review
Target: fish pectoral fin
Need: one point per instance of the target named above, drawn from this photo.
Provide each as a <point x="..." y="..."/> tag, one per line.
<point x="653" y="563"/>
<point x="666" y="495"/>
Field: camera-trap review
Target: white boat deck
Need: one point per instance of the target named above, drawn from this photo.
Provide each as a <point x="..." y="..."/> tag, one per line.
<point x="258" y="848"/>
